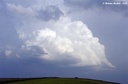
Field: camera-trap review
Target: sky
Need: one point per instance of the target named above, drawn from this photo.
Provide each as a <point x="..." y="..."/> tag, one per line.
<point x="64" y="38"/>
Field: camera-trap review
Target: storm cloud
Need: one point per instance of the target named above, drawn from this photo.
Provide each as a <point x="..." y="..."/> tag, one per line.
<point x="73" y="42"/>
<point x="66" y="38"/>
<point x="50" y="36"/>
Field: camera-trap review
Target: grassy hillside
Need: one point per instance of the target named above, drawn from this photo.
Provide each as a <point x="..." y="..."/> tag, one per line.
<point x="60" y="81"/>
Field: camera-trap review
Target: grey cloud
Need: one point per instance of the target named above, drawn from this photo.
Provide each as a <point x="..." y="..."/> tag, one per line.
<point x="86" y="4"/>
<point x="50" y="12"/>
<point x="8" y="34"/>
<point x="27" y="52"/>
<point x="98" y="4"/>
<point x="33" y="51"/>
<point x="25" y="3"/>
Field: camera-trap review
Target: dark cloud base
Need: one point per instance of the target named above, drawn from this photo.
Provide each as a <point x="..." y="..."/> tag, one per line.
<point x="37" y="68"/>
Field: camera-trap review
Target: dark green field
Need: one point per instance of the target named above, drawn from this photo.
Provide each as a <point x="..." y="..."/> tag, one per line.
<point x="55" y="81"/>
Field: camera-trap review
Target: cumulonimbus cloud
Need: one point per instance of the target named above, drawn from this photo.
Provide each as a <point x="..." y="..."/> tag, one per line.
<point x="68" y="40"/>
<point x="57" y="38"/>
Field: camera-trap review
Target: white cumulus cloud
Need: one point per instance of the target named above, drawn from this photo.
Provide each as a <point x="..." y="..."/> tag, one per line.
<point x="55" y="38"/>
<point x="68" y="40"/>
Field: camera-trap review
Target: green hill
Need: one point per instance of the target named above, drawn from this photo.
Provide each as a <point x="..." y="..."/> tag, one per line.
<point x="56" y="81"/>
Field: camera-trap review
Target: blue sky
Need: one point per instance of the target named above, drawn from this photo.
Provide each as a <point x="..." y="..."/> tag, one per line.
<point x="64" y="38"/>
